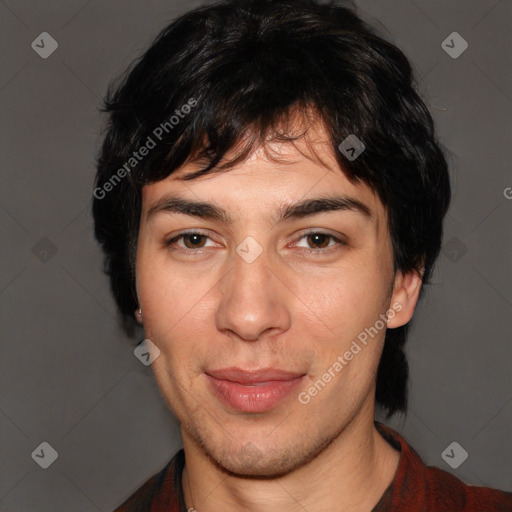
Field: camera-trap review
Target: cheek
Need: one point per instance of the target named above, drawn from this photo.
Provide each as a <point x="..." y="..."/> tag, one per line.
<point x="174" y="314"/>
<point x="165" y="294"/>
<point x="348" y="331"/>
<point x="345" y="299"/>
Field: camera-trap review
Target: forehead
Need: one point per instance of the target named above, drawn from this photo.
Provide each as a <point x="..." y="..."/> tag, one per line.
<point x="274" y="174"/>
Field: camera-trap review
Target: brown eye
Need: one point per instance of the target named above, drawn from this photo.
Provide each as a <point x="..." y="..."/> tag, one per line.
<point x="319" y="239"/>
<point x="193" y="240"/>
<point x="318" y="243"/>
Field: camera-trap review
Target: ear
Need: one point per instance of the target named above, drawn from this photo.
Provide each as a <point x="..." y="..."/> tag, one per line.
<point x="406" y="292"/>
<point x="138" y="316"/>
<point x="138" y="312"/>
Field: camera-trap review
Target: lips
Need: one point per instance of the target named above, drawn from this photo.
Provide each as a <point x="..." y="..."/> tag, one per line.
<point x="252" y="390"/>
<point x="248" y="377"/>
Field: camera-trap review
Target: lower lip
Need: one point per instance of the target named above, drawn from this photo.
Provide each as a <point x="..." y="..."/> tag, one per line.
<point x="256" y="398"/>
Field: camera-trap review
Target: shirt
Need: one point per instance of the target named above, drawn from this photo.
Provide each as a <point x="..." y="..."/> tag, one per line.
<point x="415" y="487"/>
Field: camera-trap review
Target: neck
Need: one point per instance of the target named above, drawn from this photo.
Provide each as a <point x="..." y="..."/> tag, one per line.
<point x="351" y="473"/>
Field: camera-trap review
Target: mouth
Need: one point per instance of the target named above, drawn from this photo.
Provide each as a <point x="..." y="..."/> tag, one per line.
<point x="252" y="390"/>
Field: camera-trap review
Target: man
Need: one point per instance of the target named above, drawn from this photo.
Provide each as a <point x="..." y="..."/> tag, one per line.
<point x="270" y="197"/>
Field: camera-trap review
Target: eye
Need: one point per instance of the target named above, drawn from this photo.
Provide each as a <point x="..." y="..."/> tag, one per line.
<point x="191" y="239"/>
<point x="321" y="240"/>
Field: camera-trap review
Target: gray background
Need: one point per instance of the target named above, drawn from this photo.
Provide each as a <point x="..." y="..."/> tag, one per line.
<point x="68" y="375"/>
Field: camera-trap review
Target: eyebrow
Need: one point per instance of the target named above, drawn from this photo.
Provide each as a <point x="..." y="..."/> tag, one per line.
<point x="302" y="209"/>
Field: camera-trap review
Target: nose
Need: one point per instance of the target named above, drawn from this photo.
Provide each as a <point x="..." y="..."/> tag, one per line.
<point x="254" y="300"/>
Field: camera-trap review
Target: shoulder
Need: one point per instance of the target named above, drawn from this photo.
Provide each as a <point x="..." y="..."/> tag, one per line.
<point x="445" y="490"/>
<point x="160" y="492"/>
<point x="428" y="488"/>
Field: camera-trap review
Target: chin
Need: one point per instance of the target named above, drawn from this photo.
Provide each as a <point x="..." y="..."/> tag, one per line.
<point x="251" y="461"/>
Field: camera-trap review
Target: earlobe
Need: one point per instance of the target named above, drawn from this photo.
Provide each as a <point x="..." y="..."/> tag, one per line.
<point x="405" y="296"/>
<point x="138" y="315"/>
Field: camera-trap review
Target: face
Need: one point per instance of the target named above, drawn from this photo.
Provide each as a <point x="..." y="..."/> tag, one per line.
<point x="252" y="308"/>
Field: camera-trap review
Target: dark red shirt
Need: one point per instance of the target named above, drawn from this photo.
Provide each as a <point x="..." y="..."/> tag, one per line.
<point x="415" y="488"/>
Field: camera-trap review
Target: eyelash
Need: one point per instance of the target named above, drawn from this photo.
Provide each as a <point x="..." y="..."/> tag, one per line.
<point x="318" y="251"/>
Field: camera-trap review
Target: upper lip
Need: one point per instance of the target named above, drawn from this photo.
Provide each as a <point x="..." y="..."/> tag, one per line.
<point x="253" y="376"/>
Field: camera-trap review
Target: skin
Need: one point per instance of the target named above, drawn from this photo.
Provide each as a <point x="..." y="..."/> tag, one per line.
<point x="287" y="309"/>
